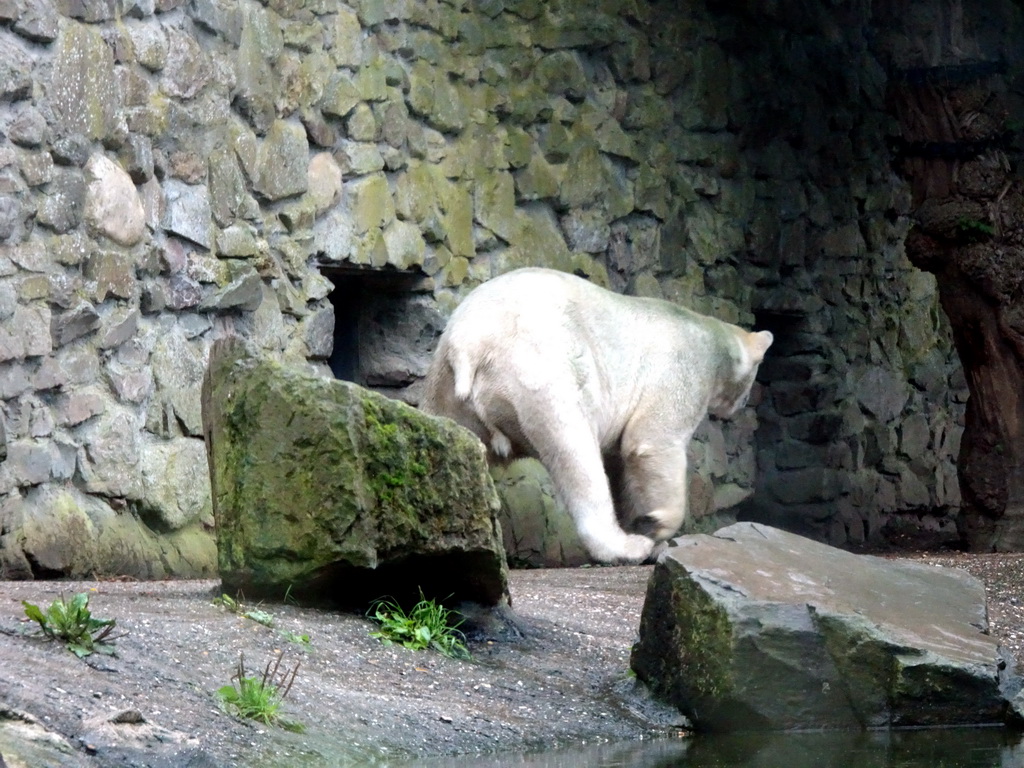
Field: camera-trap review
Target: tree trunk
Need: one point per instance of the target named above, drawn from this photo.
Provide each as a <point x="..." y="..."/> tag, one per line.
<point x="969" y="232"/>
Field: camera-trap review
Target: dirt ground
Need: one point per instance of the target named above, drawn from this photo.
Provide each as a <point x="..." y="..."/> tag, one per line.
<point x="556" y="675"/>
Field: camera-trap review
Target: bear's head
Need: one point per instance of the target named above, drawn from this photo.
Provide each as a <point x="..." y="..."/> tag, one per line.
<point x="734" y="388"/>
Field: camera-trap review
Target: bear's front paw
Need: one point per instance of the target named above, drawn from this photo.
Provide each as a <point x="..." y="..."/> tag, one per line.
<point x="616" y="546"/>
<point x="632" y="549"/>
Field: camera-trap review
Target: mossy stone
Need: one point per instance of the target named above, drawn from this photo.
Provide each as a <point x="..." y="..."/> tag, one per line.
<point x="518" y="147"/>
<point x="678" y="613"/>
<point x="371" y="203"/>
<point x="538" y="531"/>
<point x="321" y="486"/>
<point x="457" y="204"/>
<point x="340" y="96"/>
<point x="539" y="180"/>
<point x="421" y="88"/>
<point x="588" y="181"/>
<point x="496" y="204"/>
<point x="282" y="162"/>
<point x="405" y="245"/>
<point x="371" y="81"/>
<point x="362" y="125"/>
<point x="83" y="88"/>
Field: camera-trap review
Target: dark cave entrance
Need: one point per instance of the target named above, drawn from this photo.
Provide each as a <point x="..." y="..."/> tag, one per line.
<point x="386" y="325"/>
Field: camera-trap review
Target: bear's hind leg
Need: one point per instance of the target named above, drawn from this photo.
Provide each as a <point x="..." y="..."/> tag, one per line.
<point x="573" y="459"/>
<point x="654" y="487"/>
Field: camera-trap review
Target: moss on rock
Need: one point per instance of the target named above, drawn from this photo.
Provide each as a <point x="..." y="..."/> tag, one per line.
<point x="696" y="630"/>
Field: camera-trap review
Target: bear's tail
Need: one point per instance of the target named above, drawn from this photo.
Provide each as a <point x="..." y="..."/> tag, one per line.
<point x="463" y="372"/>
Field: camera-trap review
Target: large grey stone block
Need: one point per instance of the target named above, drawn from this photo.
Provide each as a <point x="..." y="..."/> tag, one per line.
<point x="756" y="628"/>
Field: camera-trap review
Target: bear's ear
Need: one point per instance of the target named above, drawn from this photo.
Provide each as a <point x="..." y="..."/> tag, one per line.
<point x="757" y="344"/>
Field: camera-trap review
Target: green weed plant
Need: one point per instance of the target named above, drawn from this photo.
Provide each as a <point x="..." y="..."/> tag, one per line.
<point x="260" y="617"/>
<point x="427" y="625"/>
<point x="296" y="637"/>
<point x="260" y="698"/>
<point x="974" y="229"/>
<point x="227" y="602"/>
<point x="231" y="605"/>
<point x="73" y="622"/>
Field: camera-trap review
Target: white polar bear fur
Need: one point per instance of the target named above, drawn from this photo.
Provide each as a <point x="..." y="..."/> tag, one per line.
<point x="544" y="364"/>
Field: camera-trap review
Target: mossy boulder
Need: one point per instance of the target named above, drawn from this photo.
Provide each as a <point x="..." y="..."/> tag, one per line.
<point x="56" y="531"/>
<point x="335" y="494"/>
<point x="538" y="530"/>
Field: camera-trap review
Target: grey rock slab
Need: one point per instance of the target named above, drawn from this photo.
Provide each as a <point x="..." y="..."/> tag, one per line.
<point x="756" y="628"/>
<point x="83" y="87"/>
<point x="282" y="162"/>
<point x="31" y="462"/>
<point x="188" y="213"/>
<point x="38" y="22"/>
<point x="28" y="128"/>
<point x="10" y="215"/>
<point x="244" y="291"/>
<point x="15" y="74"/>
<point x="26" y="741"/>
<point x="176" y="489"/>
<point x="61" y="209"/>
<point x="26" y="334"/>
<point x="73" y="324"/>
<point x="881" y="392"/>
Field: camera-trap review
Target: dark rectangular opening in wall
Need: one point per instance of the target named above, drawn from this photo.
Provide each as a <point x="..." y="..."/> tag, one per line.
<point x="785" y="327"/>
<point x="386" y="325"/>
<point x="346" y="299"/>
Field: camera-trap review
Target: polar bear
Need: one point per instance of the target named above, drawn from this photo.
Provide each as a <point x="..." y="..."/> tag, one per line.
<point x="595" y="385"/>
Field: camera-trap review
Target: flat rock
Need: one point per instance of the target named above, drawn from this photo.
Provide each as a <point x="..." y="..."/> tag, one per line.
<point x="756" y="628"/>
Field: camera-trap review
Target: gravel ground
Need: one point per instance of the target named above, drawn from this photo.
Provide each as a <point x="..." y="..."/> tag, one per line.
<point x="557" y="675"/>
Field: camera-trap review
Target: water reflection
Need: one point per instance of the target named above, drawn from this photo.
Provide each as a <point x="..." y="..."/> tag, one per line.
<point x="938" y="748"/>
<point x="934" y="748"/>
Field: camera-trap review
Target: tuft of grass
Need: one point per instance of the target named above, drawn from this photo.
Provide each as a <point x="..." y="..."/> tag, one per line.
<point x="427" y="625"/>
<point x="288" y="599"/>
<point x="295" y="637"/>
<point x="974" y="229"/>
<point x="231" y="605"/>
<point x="260" y="617"/>
<point x="73" y="622"/>
<point x="259" y="698"/>
<point x="227" y="602"/>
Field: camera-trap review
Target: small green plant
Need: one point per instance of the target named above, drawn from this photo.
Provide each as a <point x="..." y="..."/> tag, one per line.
<point x="226" y="602"/>
<point x="259" y="698"/>
<point x="288" y="599"/>
<point x="73" y="622"/>
<point x="974" y="229"/>
<point x="294" y="637"/>
<point x="260" y="617"/>
<point x="427" y="625"/>
<point x="231" y="605"/>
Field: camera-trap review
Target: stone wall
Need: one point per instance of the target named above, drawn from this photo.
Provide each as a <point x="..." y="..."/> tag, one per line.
<point x="327" y="179"/>
<point x="864" y="396"/>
